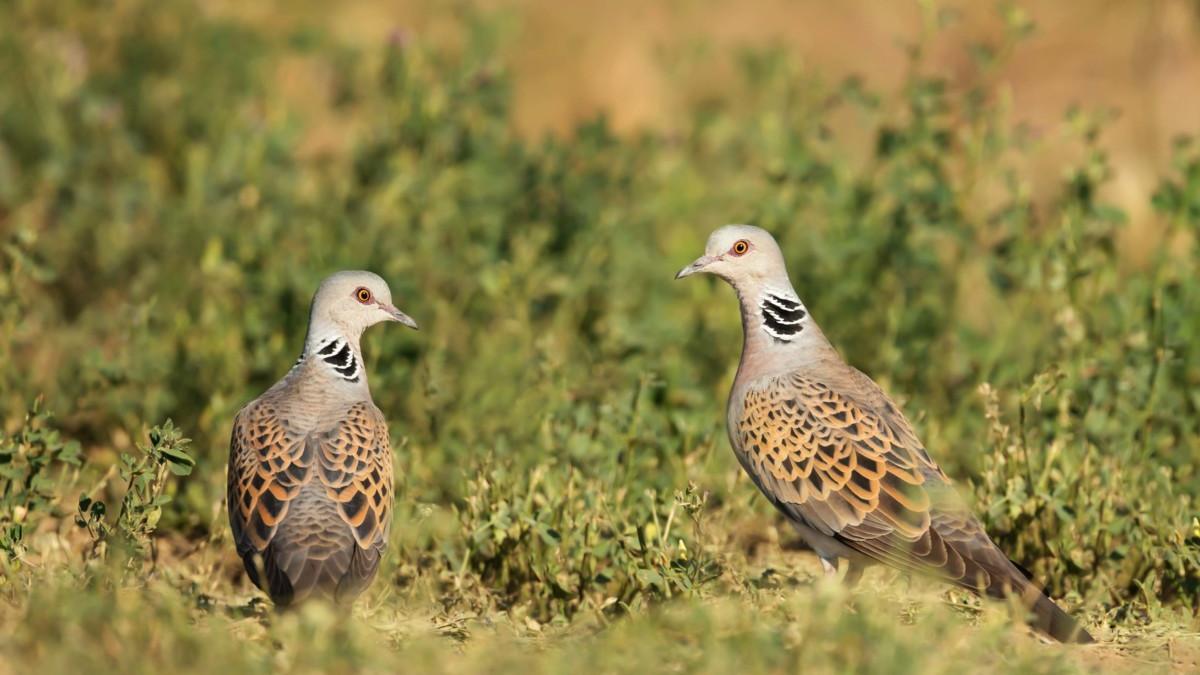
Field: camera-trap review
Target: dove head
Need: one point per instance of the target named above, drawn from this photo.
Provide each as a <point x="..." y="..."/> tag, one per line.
<point x="743" y="255"/>
<point x="347" y="303"/>
<point x="749" y="259"/>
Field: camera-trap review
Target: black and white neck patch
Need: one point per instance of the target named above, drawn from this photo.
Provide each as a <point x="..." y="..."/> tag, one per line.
<point x="338" y="354"/>
<point x="782" y="316"/>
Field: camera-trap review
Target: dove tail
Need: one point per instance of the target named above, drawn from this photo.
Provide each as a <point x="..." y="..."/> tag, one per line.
<point x="1050" y="619"/>
<point x="266" y="573"/>
<point x="1046" y="617"/>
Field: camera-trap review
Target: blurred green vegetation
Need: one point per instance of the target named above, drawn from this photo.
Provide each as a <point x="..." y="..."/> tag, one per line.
<point x="567" y="492"/>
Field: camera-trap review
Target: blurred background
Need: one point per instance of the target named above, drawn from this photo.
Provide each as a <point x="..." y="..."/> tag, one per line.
<point x="992" y="208"/>
<point x="643" y="65"/>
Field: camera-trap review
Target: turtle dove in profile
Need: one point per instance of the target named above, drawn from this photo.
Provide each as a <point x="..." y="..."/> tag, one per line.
<point x="836" y="456"/>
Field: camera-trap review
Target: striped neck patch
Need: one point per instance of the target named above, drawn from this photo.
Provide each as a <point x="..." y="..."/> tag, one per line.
<point x="782" y="316"/>
<point x="338" y="354"/>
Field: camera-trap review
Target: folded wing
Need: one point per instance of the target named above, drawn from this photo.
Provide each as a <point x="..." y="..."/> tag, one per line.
<point x="310" y="511"/>
<point x="857" y="472"/>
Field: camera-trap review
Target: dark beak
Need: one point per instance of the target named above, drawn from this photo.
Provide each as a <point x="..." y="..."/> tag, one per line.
<point x="398" y="316"/>
<point x="697" y="265"/>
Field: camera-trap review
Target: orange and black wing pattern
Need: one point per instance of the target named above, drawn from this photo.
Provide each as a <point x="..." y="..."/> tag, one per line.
<point x="310" y="512"/>
<point x="355" y="470"/>
<point x="860" y="475"/>
<point x="268" y="466"/>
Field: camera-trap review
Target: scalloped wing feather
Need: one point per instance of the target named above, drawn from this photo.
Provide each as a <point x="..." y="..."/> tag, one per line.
<point x="860" y="474"/>
<point x="268" y="466"/>
<point x="315" y="508"/>
<point x="356" y="470"/>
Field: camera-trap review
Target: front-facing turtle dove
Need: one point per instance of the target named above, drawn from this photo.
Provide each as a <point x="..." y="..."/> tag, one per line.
<point x="835" y="455"/>
<point x="310" y="462"/>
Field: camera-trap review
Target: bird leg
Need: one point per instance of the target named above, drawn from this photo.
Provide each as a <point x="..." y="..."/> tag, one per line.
<point x="854" y="572"/>
<point x="830" y="565"/>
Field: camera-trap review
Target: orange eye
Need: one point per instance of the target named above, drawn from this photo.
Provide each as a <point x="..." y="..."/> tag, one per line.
<point x="740" y="247"/>
<point x="363" y="295"/>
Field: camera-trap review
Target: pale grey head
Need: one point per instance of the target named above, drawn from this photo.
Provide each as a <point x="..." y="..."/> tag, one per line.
<point x="347" y="303"/>
<point x="741" y="255"/>
<point x="773" y="316"/>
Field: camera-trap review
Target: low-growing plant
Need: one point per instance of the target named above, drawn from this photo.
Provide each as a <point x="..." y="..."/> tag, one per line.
<point x="1044" y="489"/>
<point x="145" y="479"/>
<point x="558" y="547"/>
<point x="36" y="466"/>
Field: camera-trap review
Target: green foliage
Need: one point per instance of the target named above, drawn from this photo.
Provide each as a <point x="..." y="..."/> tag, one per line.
<point x="145" y="477"/>
<point x="559" y="420"/>
<point x="1041" y="494"/>
<point x="1177" y="197"/>
<point x="561" y="549"/>
<point x="814" y="630"/>
<point x="35" y="464"/>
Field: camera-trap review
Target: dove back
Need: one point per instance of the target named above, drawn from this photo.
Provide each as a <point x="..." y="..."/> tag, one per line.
<point x="310" y="462"/>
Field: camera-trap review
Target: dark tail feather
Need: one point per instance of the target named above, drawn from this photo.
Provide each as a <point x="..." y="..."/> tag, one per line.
<point x="358" y="575"/>
<point x="1051" y="620"/>
<point x="1023" y="570"/>
<point x="1049" y="617"/>
<point x="1029" y="576"/>
<point x="269" y="576"/>
<point x="1045" y="616"/>
<point x="290" y="575"/>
